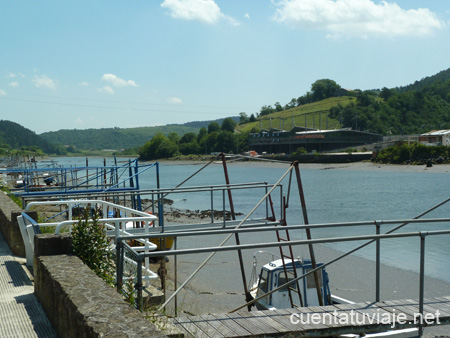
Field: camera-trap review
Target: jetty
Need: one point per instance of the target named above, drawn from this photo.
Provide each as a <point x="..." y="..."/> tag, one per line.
<point x="326" y="321"/>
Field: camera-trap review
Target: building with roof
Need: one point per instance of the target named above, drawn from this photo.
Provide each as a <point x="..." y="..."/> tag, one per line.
<point x="436" y="138"/>
<point x="281" y="141"/>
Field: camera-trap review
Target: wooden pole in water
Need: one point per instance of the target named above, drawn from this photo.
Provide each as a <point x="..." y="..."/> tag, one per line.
<point x="308" y="232"/>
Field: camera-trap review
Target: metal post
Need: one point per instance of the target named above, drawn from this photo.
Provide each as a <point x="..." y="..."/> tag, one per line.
<point x="422" y="279"/>
<point x="138" y="286"/>
<point x="212" y="206"/>
<point x="377" y="272"/>
<point x="119" y="264"/>
<point x="308" y="232"/>
<point x="267" y="202"/>
<point x="283" y="205"/>
<point x="136" y="170"/>
<point x="223" y="212"/>
<point x="160" y="202"/>
<point x="176" y="275"/>
<point x="248" y="296"/>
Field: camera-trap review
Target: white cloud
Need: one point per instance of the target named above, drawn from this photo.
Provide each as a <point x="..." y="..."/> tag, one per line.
<point x="106" y="89"/>
<point x="13" y="75"/>
<point x="14" y="84"/>
<point x="84" y="84"/>
<point x="247" y="16"/>
<point x="2" y="92"/>
<point x="175" y="100"/>
<point x="44" y="81"/>
<point x="357" y="18"/>
<point x="117" y="81"/>
<point x="202" y="10"/>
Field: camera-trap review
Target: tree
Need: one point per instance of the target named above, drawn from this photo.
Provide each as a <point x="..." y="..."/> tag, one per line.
<point x="278" y="107"/>
<point x="228" y="124"/>
<point x="322" y="89"/>
<point x="225" y="142"/>
<point x="173" y="136"/>
<point x="190" y="147"/>
<point x="158" y="147"/>
<point x="188" y="137"/>
<point x="252" y="118"/>
<point x="167" y="149"/>
<point x="212" y="127"/>
<point x="211" y="141"/>
<point x="149" y="149"/>
<point x="243" y="118"/>
<point x="201" y="133"/>
<point x="266" y="110"/>
<point x="385" y="93"/>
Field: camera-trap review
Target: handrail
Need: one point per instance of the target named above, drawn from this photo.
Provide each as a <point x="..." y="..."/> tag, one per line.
<point x="116" y="206"/>
<point x="372" y="238"/>
<point x="295" y="242"/>
<point x="142" y="216"/>
<point x="131" y="191"/>
<point x="258" y="228"/>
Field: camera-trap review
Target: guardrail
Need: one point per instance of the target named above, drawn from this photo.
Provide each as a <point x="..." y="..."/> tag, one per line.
<point x="158" y="195"/>
<point x="121" y="245"/>
<point x="121" y="226"/>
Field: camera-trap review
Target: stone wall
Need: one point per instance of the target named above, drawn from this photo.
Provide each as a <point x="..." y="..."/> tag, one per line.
<point x="77" y="302"/>
<point x="9" y="226"/>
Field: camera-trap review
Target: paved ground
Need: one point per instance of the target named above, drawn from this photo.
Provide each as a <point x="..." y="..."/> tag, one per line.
<point x="21" y="315"/>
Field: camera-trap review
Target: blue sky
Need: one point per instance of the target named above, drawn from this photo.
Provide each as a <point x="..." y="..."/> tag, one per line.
<point x="100" y="64"/>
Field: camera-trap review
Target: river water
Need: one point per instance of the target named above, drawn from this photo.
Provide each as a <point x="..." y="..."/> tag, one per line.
<point x="332" y="195"/>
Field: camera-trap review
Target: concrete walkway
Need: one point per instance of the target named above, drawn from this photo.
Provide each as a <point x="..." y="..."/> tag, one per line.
<point x="21" y="315"/>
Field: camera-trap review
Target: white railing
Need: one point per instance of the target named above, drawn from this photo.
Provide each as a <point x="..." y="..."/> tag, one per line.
<point x="121" y="225"/>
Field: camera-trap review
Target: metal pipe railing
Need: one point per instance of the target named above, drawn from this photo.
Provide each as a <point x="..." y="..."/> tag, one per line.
<point x="377" y="238"/>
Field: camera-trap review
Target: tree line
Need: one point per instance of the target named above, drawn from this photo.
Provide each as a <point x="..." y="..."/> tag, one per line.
<point x="215" y="138"/>
<point x="390" y="111"/>
<point x="320" y="90"/>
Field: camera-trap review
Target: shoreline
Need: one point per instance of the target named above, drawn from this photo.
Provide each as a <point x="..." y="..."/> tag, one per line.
<point x="361" y="166"/>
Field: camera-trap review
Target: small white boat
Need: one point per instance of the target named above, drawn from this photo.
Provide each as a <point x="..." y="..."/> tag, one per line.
<point x="272" y="275"/>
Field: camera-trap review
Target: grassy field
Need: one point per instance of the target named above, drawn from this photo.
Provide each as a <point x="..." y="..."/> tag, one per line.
<point x="311" y="115"/>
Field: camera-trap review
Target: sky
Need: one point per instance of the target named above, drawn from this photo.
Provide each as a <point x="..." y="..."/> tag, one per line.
<point x="103" y="64"/>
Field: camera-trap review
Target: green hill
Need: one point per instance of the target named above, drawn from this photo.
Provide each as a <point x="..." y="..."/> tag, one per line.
<point x="14" y="136"/>
<point x="118" y="138"/>
<point x="110" y="138"/>
<point x="442" y="76"/>
<point x="316" y="115"/>
<point x="416" y="108"/>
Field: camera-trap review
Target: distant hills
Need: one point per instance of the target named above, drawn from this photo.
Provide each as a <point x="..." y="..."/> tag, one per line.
<point x="119" y="138"/>
<point x="15" y="136"/>
<point x="415" y="108"/>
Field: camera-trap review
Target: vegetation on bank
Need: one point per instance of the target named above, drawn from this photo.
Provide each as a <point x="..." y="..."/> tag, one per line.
<point x="215" y="138"/>
<point x="13" y="197"/>
<point x="415" y="153"/>
<point x="92" y="246"/>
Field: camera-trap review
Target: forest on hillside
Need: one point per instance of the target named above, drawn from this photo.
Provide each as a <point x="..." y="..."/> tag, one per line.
<point x="13" y="136"/>
<point x="118" y="138"/>
<point x="414" y="109"/>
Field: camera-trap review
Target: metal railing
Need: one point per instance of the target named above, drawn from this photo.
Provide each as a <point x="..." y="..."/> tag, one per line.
<point x="370" y="238"/>
<point x="158" y="195"/>
<point x="121" y="226"/>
